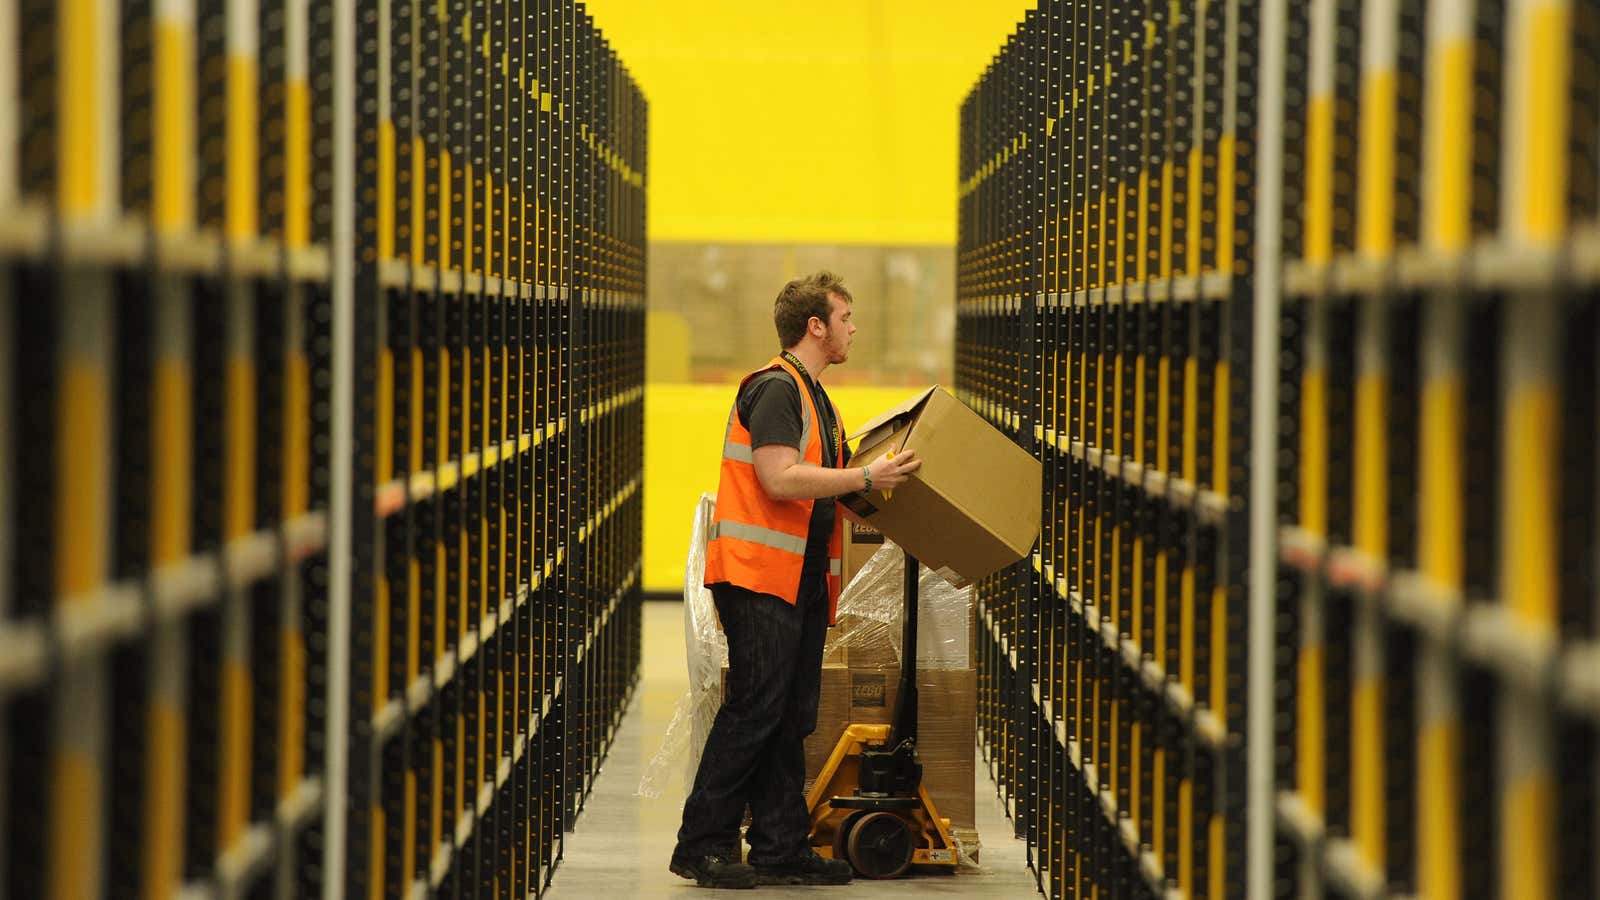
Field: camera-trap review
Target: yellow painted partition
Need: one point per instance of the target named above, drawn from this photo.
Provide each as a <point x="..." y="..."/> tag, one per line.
<point x="684" y="426"/>
<point x="830" y="121"/>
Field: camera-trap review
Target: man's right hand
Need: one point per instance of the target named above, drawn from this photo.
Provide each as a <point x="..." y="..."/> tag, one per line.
<point x="889" y="472"/>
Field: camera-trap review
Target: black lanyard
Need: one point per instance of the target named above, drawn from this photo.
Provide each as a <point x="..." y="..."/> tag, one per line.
<point x="816" y="402"/>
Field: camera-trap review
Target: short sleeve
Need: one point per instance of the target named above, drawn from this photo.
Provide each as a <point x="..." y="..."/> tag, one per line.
<point x="770" y="409"/>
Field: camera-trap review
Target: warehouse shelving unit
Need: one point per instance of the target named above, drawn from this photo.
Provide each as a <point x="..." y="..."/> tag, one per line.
<point x="1437" y="518"/>
<point x="1104" y="322"/>
<point x="320" y="442"/>
<point x="1360" y="360"/>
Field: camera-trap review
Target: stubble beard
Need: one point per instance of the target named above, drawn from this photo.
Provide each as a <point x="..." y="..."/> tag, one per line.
<point x="840" y="353"/>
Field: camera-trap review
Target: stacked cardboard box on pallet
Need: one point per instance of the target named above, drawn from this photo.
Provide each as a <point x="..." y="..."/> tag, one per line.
<point x="971" y="510"/>
<point x="860" y="679"/>
<point x="947" y="727"/>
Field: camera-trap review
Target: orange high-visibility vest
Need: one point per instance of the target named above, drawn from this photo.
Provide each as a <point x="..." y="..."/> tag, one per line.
<point x="759" y="543"/>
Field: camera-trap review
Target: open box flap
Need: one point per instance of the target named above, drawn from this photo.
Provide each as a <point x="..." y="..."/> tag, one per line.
<point x="904" y="409"/>
<point x="975" y="503"/>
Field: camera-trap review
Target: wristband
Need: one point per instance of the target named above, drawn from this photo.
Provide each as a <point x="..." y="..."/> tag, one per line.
<point x="866" y="474"/>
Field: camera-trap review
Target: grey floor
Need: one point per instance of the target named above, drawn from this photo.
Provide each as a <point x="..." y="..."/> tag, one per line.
<point x="622" y="841"/>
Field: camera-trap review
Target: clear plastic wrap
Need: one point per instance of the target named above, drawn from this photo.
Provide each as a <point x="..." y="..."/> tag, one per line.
<point x="968" y="849"/>
<point x="705" y="653"/>
<point x="861" y="657"/>
<point x="869" y="634"/>
<point x="705" y="646"/>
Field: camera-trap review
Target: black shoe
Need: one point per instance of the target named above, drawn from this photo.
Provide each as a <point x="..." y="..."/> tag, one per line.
<point x="808" y="869"/>
<point x="713" y="871"/>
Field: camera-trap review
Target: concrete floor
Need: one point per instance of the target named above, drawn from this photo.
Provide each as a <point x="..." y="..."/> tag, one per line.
<point x="622" y="842"/>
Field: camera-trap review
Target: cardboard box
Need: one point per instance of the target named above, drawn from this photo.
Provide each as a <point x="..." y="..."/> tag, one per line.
<point x="946" y="727"/>
<point x="860" y="542"/>
<point x="947" y="724"/>
<point x="973" y="507"/>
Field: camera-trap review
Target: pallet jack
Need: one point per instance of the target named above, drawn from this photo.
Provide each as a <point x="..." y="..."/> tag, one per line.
<point x="868" y="804"/>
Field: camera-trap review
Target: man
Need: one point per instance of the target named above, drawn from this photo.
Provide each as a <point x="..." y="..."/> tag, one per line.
<point x="773" y="567"/>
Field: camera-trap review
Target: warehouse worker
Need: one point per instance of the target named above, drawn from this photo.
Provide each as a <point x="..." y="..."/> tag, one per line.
<point x="773" y="567"/>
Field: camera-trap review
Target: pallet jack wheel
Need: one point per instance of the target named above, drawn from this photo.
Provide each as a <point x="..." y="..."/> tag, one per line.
<point x="841" y="835"/>
<point x="880" y="845"/>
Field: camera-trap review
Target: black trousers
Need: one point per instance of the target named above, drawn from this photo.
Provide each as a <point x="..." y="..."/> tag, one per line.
<point x="754" y="755"/>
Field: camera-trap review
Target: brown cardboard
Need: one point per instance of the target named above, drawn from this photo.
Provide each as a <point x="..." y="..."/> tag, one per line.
<point x="973" y="507"/>
<point x="860" y="542"/>
<point x="947" y="723"/>
<point x="946" y="727"/>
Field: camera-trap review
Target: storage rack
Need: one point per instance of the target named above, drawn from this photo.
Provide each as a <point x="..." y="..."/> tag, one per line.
<point x="1436" y="506"/>
<point x="1391" y="528"/>
<point x="321" y="433"/>
<point x="1103" y="296"/>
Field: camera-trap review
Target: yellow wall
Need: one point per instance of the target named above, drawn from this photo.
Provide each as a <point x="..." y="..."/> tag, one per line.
<point x="833" y="121"/>
<point x="684" y="425"/>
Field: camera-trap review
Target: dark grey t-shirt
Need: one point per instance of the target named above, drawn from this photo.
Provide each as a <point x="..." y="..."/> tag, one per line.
<point x="770" y="409"/>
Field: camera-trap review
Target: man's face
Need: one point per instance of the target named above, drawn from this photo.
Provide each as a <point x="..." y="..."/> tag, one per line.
<point x="840" y="331"/>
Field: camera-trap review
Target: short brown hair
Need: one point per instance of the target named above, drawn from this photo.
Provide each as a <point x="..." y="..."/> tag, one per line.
<point x="800" y="300"/>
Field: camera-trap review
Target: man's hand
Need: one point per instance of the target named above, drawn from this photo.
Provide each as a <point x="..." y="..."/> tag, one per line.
<point x="784" y="477"/>
<point x="889" y="472"/>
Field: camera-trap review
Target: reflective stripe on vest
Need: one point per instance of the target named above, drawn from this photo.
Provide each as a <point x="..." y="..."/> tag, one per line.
<point x="755" y="534"/>
<point x="732" y="449"/>
<point x="759" y="543"/>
